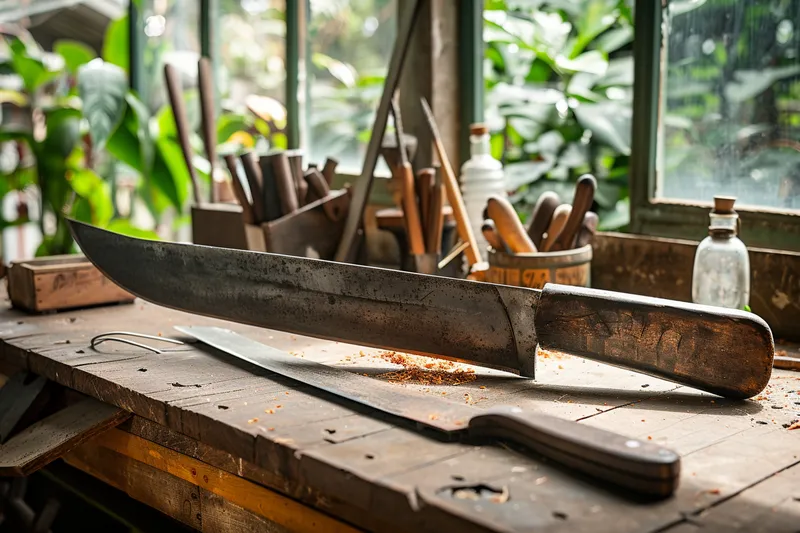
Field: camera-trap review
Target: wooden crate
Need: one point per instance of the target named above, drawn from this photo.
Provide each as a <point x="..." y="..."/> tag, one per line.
<point x="61" y="282"/>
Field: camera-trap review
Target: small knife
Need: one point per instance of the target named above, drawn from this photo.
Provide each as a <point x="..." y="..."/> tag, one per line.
<point x="639" y="466"/>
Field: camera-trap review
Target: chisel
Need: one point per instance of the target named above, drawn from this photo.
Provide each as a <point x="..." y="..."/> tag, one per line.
<point x="175" y="92"/>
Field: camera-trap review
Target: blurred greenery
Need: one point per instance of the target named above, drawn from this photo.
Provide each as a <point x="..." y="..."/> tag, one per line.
<point x="559" y="77"/>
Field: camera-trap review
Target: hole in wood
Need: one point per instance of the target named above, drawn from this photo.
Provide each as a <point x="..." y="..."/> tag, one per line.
<point x="480" y="491"/>
<point x="559" y="515"/>
<point x="330" y="431"/>
<point x="369" y="456"/>
<point x="457" y="478"/>
<point x="222" y="407"/>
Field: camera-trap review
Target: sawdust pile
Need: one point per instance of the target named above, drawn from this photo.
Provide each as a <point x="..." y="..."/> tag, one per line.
<point x="420" y="370"/>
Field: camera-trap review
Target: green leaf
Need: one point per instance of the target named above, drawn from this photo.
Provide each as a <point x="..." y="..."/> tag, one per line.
<point x="608" y="125"/>
<point x="170" y="174"/>
<point x="75" y="54"/>
<point x="115" y="43"/>
<point x="102" y="87"/>
<point x="592" y="62"/>
<point x="32" y="70"/>
<point x="96" y="195"/>
<point x="230" y="123"/>
<point x="125" y="227"/>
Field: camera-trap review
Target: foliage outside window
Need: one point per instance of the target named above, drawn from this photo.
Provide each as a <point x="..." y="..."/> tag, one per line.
<point x="558" y="77"/>
<point x="731" y="118"/>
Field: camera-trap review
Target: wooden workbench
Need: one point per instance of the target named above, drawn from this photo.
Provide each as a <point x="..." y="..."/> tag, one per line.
<point x="222" y="446"/>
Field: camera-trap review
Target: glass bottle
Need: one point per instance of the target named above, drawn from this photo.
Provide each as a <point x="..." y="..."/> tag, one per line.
<point x="721" y="274"/>
<point x="481" y="176"/>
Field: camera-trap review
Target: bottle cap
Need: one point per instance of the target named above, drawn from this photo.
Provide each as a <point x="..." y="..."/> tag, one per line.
<point x="478" y="129"/>
<point x="723" y="205"/>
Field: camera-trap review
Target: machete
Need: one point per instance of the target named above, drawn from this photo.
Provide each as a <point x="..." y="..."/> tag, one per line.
<point x="632" y="464"/>
<point x="722" y="351"/>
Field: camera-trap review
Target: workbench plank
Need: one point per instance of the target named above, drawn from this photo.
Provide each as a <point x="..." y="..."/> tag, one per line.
<point x="53" y="436"/>
<point x="169" y="494"/>
<point x="221" y="516"/>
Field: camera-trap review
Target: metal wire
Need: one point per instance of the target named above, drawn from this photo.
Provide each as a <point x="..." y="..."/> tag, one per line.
<point x="108" y="336"/>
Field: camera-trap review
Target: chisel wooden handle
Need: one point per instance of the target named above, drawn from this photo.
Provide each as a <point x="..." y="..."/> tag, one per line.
<point x="317" y="190"/>
<point x="723" y="351"/>
<point x="329" y="170"/>
<point x="300" y="184"/>
<point x="581" y="203"/>
<point x="175" y="92"/>
<point x="629" y="463"/>
<point x="557" y="223"/>
<point x="588" y="229"/>
<point x="424" y="184"/>
<point x="287" y="189"/>
<point x="253" y="174"/>
<point x="509" y="225"/>
<point x="238" y="190"/>
<point x="270" y="193"/>
<point x="541" y="216"/>
<point x="410" y="211"/>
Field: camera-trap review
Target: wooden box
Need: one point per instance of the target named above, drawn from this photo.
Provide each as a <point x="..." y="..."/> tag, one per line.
<point x="61" y="282"/>
<point x="308" y="232"/>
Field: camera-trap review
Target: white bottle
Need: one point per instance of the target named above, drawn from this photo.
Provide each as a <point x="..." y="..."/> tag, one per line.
<point x="481" y="176"/>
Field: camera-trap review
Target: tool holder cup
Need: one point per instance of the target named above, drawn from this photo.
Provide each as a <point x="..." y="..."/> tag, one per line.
<point x="533" y="270"/>
<point x="314" y="230"/>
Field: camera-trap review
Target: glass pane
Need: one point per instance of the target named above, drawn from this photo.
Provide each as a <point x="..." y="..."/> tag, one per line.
<point x="172" y="34"/>
<point x="252" y="61"/>
<point x="731" y="105"/>
<point x="349" y="47"/>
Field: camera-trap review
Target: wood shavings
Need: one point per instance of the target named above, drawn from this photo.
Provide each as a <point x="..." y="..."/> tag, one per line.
<point x="425" y="370"/>
<point x="252" y="421"/>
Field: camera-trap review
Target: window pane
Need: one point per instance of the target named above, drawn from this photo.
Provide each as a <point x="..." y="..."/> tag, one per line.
<point x="349" y="47"/>
<point x="731" y="106"/>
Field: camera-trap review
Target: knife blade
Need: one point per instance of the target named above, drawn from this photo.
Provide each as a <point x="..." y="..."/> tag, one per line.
<point x="498" y="326"/>
<point x="632" y="464"/>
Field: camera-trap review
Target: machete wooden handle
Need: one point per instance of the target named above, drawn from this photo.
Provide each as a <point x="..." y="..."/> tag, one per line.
<point x="723" y="351"/>
<point x="633" y="464"/>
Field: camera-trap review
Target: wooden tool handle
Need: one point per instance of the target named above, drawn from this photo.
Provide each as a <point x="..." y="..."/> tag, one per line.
<point x="509" y="225"/>
<point x="560" y="217"/>
<point x="632" y="464"/>
<point x="453" y="192"/>
<point x="238" y="190"/>
<point x="435" y="218"/>
<point x="253" y="174"/>
<point x="287" y="191"/>
<point x="489" y="231"/>
<point x="588" y="229"/>
<point x="329" y="170"/>
<point x="317" y="190"/>
<point x="411" y="212"/>
<point x="723" y="351"/>
<point x="270" y="196"/>
<point x="424" y="185"/>
<point x="581" y="203"/>
<point x="175" y="92"/>
<point x="541" y="216"/>
<point x="208" y="126"/>
<point x="300" y="184"/>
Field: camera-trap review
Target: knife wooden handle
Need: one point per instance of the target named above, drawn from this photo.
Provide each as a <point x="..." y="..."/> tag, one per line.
<point x="300" y="184"/>
<point x="560" y="217"/>
<point x="410" y="211"/>
<point x="254" y="179"/>
<point x="238" y="190"/>
<point x="284" y="182"/>
<point x="424" y="185"/>
<point x="175" y="92"/>
<point x="317" y="190"/>
<point x="329" y="170"/>
<point x="270" y="195"/>
<point x="686" y="343"/>
<point x="435" y="218"/>
<point x="581" y="203"/>
<point x="509" y="226"/>
<point x="541" y="216"/>
<point x="491" y="235"/>
<point x="631" y="464"/>
<point x="588" y="229"/>
<point x="208" y="126"/>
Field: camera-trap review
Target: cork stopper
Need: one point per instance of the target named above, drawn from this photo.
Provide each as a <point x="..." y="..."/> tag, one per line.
<point x="478" y="129"/>
<point x="723" y="205"/>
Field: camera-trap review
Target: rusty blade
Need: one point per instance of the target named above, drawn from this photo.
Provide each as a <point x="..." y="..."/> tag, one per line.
<point x="488" y="325"/>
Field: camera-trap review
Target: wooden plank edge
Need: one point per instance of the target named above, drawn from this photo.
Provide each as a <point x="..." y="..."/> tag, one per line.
<point x="255" y="498"/>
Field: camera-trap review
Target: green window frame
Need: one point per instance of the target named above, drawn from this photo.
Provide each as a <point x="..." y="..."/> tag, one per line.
<point x="761" y="228"/>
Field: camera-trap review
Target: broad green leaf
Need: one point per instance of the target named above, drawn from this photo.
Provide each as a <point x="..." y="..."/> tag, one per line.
<point x="596" y="17"/>
<point x="63" y="132"/>
<point x="97" y="194"/>
<point x="607" y="124"/>
<point x="592" y="62"/>
<point x="115" y="43"/>
<point x="102" y="87"/>
<point x="230" y="123"/>
<point x="75" y="54"/>
<point x="170" y="174"/>
<point x="614" y="39"/>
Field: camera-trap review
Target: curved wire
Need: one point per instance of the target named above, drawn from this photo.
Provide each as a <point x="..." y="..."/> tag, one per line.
<point x="108" y="336"/>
